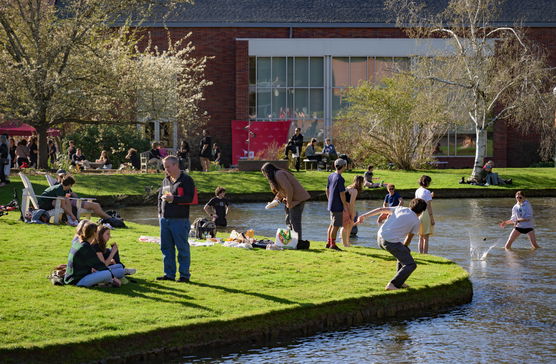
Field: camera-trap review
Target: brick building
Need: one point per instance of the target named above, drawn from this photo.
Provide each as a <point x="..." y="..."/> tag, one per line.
<point x="291" y="59"/>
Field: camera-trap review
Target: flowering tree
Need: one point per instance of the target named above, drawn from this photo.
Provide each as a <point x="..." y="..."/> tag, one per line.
<point x="493" y="72"/>
<point x="77" y="62"/>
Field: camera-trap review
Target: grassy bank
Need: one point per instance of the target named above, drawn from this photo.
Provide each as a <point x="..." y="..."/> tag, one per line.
<point x="254" y="182"/>
<point x="232" y="289"/>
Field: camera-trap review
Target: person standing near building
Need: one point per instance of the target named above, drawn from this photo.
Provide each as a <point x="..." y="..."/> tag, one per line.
<point x="401" y="226"/>
<point x="205" y="151"/>
<point x="294" y="145"/>
<point x="177" y="192"/>
<point x="336" y="195"/>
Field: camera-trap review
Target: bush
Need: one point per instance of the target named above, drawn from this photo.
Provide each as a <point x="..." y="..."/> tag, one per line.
<point x="116" y="139"/>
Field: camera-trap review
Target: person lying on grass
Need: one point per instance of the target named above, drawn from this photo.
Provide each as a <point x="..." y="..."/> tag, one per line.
<point x="84" y="269"/>
<point x="402" y="224"/>
<point x="108" y="256"/>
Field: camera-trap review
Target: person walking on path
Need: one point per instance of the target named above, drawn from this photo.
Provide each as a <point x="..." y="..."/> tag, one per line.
<point x="288" y="190"/>
<point x="352" y="191"/>
<point x="336" y="195"/>
<point x="395" y="235"/>
<point x="522" y="219"/>
<point x="427" y="220"/>
<point x="177" y="192"/>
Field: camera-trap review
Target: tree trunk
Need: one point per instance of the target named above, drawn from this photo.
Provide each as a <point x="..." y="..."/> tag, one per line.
<point x="42" y="157"/>
<point x="480" y="150"/>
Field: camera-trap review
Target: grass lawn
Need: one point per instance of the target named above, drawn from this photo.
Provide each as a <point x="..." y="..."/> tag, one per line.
<point x="254" y="182"/>
<point x="228" y="284"/>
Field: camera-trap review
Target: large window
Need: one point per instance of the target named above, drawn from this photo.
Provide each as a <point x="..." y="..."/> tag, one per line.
<point x="296" y="88"/>
<point x="288" y="88"/>
<point x="461" y="142"/>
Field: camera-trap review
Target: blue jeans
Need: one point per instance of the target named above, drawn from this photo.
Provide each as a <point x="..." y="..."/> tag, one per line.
<point x="174" y="235"/>
<point x="102" y="276"/>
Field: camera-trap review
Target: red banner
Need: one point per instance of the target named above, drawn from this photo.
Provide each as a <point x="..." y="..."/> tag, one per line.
<point x="263" y="133"/>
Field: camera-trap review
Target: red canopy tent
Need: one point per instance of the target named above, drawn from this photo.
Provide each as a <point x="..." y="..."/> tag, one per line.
<point x="14" y="128"/>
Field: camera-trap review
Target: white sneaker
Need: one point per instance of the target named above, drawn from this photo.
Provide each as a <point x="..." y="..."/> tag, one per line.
<point x="390" y="287"/>
<point x="130" y="271"/>
<point x="72" y="222"/>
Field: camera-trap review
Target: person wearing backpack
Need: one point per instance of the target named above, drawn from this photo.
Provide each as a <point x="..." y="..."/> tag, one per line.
<point x="84" y="269"/>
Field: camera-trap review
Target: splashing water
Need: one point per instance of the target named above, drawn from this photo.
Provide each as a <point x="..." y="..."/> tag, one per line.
<point x="479" y="248"/>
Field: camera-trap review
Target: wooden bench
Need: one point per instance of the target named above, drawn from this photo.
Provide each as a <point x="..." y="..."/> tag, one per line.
<point x="310" y="164"/>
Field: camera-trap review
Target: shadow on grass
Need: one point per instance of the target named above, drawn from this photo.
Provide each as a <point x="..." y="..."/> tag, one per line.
<point x="145" y="289"/>
<point x="238" y="291"/>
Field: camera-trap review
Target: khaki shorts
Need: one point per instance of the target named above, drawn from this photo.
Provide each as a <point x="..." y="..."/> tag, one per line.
<point x="336" y="218"/>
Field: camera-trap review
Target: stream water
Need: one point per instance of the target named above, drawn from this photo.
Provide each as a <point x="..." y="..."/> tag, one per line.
<point x="512" y="318"/>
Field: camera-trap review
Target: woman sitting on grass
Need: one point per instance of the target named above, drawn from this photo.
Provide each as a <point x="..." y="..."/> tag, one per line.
<point x="84" y="268"/>
<point x="108" y="256"/>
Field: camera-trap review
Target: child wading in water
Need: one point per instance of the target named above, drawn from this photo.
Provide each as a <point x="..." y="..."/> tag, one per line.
<point x="347" y="218"/>
<point x="427" y="219"/>
<point x="522" y="219"/>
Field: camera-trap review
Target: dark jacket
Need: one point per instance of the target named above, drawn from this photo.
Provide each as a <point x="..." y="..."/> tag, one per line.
<point x="82" y="258"/>
<point x="183" y="190"/>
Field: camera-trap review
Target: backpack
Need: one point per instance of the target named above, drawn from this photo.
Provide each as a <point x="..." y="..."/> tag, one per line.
<point x="203" y="227"/>
<point x="57" y="275"/>
<point x="114" y="222"/>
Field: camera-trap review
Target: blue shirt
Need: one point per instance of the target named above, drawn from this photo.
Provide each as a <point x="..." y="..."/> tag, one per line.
<point x="335" y="186"/>
<point x="329" y="149"/>
<point x="392" y="200"/>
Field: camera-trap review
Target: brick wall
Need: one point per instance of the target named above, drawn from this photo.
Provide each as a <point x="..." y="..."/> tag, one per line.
<point x="227" y="98"/>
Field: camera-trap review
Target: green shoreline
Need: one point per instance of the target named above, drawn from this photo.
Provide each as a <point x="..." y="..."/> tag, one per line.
<point x="119" y="201"/>
<point x="173" y="342"/>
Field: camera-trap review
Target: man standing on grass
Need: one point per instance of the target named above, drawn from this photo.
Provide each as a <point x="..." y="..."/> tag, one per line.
<point x="402" y="224"/>
<point x="336" y="195"/>
<point x="176" y="194"/>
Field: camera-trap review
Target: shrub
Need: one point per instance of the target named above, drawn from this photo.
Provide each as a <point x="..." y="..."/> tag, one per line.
<point x="116" y="139"/>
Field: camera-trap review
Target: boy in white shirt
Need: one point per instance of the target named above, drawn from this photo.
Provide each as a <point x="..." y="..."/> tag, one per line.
<point x="402" y="225"/>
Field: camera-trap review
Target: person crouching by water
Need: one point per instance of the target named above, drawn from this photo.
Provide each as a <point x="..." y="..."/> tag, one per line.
<point x="522" y="219"/>
<point x="218" y="207"/>
<point x="289" y="191"/>
<point x="84" y="268"/>
<point x="396" y="234"/>
<point x="176" y="194"/>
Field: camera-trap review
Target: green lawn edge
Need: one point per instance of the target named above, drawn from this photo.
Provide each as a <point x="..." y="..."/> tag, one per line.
<point x="170" y="343"/>
<point x="138" y="189"/>
<point x="238" y="297"/>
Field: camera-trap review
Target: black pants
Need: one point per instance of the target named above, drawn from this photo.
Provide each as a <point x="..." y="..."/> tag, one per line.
<point x="293" y="218"/>
<point x="2" y="174"/>
<point x="295" y="150"/>
<point x="406" y="264"/>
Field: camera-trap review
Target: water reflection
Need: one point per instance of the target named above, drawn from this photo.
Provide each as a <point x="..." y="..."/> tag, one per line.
<point x="512" y="317"/>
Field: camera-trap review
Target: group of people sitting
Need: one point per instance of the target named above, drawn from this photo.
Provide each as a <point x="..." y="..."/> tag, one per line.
<point x="295" y="145"/>
<point x="91" y="261"/>
<point x="487" y="177"/>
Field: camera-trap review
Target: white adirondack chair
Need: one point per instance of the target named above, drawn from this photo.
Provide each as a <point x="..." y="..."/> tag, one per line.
<point x="28" y="197"/>
<point x="81" y="211"/>
<point x="51" y="180"/>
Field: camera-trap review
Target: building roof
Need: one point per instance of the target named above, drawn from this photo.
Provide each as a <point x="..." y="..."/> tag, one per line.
<point x="328" y="13"/>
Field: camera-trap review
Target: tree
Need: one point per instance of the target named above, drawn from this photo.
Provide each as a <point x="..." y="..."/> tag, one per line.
<point x="398" y="121"/>
<point x="77" y="62"/>
<point x="494" y="72"/>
